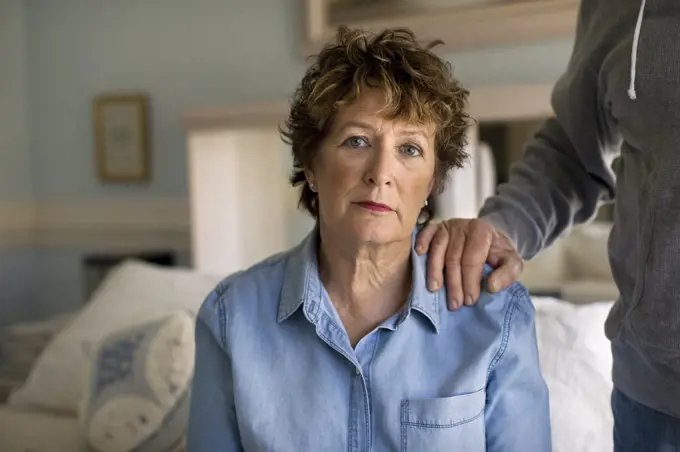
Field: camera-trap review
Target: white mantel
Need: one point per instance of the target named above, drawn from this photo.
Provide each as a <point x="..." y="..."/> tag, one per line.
<point x="242" y="207"/>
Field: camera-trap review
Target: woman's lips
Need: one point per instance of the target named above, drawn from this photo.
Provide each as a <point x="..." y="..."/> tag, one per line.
<point x="374" y="206"/>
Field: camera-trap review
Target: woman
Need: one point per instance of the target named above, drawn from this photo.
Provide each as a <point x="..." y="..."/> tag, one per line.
<point x="337" y="344"/>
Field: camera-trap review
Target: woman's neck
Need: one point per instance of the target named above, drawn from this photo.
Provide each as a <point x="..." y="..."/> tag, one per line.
<point x="366" y="283"/>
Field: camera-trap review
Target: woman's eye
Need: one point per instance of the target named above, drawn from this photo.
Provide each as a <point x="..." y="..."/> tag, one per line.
<point x="356" y="142"/>
<point x="410" y="151"/>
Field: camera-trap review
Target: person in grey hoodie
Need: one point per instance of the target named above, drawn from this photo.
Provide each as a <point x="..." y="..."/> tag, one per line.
<point x="614" y="137"/>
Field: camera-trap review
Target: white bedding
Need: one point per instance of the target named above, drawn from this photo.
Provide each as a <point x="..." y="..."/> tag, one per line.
<point x="575" y="358"/>
<point x="25" y="431"/>
<point x="576" y="362"/>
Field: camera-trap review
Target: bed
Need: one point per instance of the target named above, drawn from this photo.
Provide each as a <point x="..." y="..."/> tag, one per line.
<point x="576" y="362"/>
<point x="575" y="358"/>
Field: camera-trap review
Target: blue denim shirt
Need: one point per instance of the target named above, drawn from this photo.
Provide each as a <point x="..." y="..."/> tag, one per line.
<point x="275" y="370"/>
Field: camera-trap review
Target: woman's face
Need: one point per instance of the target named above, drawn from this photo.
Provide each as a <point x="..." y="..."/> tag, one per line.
<point x="373" y="174"/>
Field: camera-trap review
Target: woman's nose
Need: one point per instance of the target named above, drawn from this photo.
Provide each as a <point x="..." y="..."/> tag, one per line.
<point x="380" y="170"/>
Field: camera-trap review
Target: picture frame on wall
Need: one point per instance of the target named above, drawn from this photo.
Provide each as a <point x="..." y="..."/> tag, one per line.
<point x="121" y="137"/>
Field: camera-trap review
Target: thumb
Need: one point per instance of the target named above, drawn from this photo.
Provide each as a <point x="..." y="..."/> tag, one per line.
<point x="506" y="274"/>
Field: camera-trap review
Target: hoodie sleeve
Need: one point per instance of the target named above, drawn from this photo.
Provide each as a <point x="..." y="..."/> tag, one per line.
<point x="565" y="173"/>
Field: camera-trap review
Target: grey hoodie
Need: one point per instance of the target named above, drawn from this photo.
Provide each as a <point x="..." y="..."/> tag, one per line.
<point x="615" y="137"/>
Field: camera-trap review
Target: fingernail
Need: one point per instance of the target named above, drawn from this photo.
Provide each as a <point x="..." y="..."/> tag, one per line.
<point x="493" y="285"/>
<point x="419" y="249"/>
<point x="432" y="285"/>
<point x="468" y="300"/>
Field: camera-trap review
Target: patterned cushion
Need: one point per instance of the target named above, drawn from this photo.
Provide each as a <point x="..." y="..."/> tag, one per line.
<point x="139" y="383"/>
<point x="58" y="378"/>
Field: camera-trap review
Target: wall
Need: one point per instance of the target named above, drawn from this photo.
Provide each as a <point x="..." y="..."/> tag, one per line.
<point x="15" y="175"/>
<point x="185" y="55"/>
<point x="17" y="258"/>
<point x="182" y="53"/>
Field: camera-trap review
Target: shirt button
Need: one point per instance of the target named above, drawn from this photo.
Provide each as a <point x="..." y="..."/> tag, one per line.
<point x="357" y="371"/>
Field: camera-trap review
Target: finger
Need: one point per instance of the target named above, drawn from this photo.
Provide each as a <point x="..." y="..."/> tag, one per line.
<point x="507" y="274"/>
<point x="475" y="255"/>
<point x="454" y="286"/>
<point x="425" y="237"/>
<point x="435" y="259"/>
<point x="497" y="259"/>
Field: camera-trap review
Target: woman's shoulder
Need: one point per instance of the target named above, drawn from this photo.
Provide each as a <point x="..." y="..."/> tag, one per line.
<point x="515" y="293"/>
<point x="248" y="287"/>
<point x="489" y="329"/>
<point x="501" y="311"/>
<point x="505" y="303"/>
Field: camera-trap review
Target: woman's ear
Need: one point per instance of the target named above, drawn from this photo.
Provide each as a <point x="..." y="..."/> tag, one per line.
<point x="430" y="188"/>
<point x="311" y="179"/>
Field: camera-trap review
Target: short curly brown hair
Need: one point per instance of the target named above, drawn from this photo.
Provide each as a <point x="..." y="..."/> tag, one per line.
<point x="418" y="87"/>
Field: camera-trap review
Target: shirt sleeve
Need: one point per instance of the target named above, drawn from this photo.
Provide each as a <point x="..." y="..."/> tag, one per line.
<point x="212" y="414"/>
<point x="518" y="412"/>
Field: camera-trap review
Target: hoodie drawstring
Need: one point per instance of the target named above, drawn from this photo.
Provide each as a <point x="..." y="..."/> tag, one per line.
<point x="632" y="94"/>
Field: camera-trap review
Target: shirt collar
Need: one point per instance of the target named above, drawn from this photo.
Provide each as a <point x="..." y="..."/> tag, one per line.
<point x="301" y="283"/>
<point x="302" y="286"/>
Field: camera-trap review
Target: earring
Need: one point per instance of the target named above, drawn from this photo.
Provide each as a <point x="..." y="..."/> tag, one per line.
<point x="425" y="203"/>
<point x="312" y="186"/>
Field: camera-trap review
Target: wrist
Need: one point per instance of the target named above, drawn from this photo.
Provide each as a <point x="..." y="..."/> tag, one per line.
<point x="500" y="224"/>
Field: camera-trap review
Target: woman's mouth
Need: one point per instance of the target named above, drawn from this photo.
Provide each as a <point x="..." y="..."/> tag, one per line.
<point x="374" y="206"/>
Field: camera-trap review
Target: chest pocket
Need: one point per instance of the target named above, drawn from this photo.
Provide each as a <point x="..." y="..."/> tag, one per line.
<point x="444" y="424"/>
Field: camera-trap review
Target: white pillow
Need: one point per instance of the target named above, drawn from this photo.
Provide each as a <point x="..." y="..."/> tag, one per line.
<point x="57" y="380"/>
<point x="137" y="396"/>
<point x="576" y="363"/>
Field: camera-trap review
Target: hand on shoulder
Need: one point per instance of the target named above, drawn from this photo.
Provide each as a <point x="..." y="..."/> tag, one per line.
<point x="457" y="251"/>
